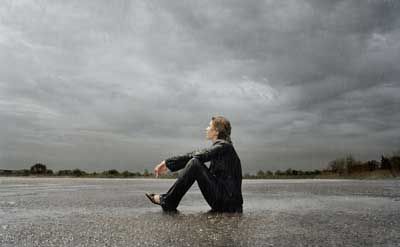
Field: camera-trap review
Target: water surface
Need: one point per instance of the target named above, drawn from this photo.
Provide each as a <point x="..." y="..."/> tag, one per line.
<point x="115" y="212"/>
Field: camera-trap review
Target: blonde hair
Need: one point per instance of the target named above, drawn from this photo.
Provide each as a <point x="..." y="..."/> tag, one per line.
<point x="223" y="126"/>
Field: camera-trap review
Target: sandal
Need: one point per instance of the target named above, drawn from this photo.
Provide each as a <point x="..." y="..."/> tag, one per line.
<point x="151" y="198"/>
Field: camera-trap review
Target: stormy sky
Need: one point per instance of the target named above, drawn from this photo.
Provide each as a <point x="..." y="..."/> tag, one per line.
<point x="125" y="84"/>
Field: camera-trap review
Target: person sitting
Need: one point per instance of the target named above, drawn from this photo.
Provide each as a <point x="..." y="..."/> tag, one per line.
<point x="220" y="184"/>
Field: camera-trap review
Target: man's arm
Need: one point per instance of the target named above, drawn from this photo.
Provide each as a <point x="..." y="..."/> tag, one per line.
<point x="210" y="153"/>
<point x="178" y="162"/>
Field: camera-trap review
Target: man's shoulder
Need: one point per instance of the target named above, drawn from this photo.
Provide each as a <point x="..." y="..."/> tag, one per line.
<point x="222" y="145"/>
<point x="222" y="141"/>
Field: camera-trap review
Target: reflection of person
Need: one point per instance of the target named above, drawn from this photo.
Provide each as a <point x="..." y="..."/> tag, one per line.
<point x="220" y="184"/>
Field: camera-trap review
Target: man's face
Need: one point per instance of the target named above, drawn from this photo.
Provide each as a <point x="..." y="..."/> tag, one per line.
<point x="211" y="132"/>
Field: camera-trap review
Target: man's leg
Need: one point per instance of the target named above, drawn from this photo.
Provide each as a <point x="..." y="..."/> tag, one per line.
<point x="193" y="171"/>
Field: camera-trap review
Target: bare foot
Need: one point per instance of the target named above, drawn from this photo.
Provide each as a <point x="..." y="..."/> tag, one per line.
<point x="157" y="198"/>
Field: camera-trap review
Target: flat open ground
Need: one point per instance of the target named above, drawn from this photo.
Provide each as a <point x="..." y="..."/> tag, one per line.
<point x="115" y="212"/>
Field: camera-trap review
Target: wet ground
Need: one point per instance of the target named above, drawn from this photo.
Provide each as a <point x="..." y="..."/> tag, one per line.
<point x="115" y="212"/>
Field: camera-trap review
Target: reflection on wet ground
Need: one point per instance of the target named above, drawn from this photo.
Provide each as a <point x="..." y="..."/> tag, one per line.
<point x="115" y="212"/>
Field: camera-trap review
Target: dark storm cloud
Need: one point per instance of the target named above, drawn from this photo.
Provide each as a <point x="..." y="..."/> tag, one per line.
<point x="125" y="84"/>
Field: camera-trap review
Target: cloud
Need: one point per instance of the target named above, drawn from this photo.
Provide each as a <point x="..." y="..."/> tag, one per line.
<point x="100" y="84"/>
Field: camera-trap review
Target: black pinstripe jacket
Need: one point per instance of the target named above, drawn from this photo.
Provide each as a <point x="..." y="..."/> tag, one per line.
<point x="225" y="165"/>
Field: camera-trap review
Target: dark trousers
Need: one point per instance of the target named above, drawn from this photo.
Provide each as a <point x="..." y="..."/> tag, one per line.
<point x="193" y="171"/>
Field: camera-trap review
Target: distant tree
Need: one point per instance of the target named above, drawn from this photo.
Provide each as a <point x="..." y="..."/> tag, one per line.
<point x="49" y="172"/>
<point x="25" y="172"/>
<point x="112" y="172"/>
<point x="146" y="173"/>
<point x="78" y="173"/>
<point x="288" y="172"/>
<point x="317" y="172"/>
<point x="337" y="165"/>
<point x="38" y="169"/>
<point x="351" y="162"/>
<point x="64" y="173"/>
<point x="372" y="165"/>
<point x="395" y="163"/>
<point x="345" y="165"/>
<point x="385" y="163"/>
<point x="260" y="174"/>
<point x="269" y="173"/>
<point x="6" y="172"/>
<point x="127" y="174"/>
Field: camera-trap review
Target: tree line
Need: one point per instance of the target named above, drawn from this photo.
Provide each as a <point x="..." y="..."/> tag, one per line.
<point x="39" y="169"/>
<point x="346" y="166"/>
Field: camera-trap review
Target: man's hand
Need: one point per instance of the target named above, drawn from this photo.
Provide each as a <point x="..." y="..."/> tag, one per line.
<point x="160" y="169"/>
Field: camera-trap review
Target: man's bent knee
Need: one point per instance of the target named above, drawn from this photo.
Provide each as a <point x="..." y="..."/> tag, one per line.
<point x="194" y="162"/>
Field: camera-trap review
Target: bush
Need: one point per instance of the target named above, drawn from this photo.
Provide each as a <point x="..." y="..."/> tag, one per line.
<point x="78" y="173"/>
<point x="38" y="169"/>
<point x="112" y="172"/>
<point x="64" y="173"/>
<point x="127" y="174"/>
